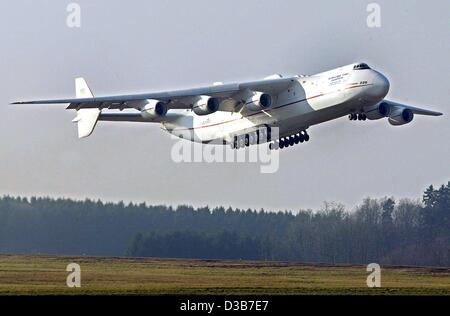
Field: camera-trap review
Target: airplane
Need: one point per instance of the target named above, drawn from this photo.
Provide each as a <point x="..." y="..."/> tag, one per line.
<point x="244" y="114"/>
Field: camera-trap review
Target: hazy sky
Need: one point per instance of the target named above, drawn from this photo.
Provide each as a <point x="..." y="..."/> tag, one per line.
<point x="143" y="46"/>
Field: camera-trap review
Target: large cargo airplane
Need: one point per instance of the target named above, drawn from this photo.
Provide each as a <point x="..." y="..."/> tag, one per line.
<point x="244" y="114"/>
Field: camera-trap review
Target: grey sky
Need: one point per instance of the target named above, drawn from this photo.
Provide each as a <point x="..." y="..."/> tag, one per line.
<point x="138" y="46"/>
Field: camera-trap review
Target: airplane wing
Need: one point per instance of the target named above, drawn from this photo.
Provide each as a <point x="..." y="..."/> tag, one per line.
<point x="89" y="108"/>
<point x="177" y="99"/>
<point x="415" y="110"/>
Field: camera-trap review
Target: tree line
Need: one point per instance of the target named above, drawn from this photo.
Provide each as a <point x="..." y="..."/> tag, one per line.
<point x="404" y="232"/>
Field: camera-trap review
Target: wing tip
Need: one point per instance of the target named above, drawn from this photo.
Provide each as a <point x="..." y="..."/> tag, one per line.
<point x="18" y="102"/>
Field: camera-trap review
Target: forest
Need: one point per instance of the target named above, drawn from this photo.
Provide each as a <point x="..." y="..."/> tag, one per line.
<point x="383" y="230"/>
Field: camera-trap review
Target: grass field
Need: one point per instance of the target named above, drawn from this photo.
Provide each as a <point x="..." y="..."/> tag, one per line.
<point x="47" y="275"/>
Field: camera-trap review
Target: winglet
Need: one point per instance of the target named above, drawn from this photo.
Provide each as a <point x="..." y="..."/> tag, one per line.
<point x="86" y="118"/>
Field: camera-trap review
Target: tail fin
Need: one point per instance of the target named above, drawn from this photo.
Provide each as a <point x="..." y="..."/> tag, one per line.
<point x="86" y="118"/>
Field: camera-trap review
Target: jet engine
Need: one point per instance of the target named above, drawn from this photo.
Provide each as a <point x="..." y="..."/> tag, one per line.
<point x="377" y="111"/>
<point x="205" y="105"/>
<point x="153" y="109"/>
<point x="259" y="101"/>
<point x="400" y="116"/>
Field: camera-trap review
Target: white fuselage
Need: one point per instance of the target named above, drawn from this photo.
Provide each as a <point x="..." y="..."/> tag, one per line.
<point x="309" y="100"/>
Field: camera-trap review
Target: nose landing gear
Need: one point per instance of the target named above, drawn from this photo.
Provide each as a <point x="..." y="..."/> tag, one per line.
<point x="357" y="116"/>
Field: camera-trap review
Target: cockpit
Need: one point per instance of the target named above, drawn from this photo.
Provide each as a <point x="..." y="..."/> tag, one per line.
<point x="361" y="66"/>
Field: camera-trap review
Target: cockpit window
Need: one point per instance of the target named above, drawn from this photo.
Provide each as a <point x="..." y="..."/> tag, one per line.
<point x="361" y="66"/>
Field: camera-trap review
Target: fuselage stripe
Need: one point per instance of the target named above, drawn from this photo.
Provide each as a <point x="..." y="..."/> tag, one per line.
<point x="278" y="107"/>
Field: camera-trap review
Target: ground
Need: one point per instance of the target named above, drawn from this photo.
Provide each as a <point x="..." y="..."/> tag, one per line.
<point x="100" y="275"/>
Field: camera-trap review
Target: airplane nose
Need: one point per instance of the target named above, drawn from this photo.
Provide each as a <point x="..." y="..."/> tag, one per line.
<point x="380" y="85"/>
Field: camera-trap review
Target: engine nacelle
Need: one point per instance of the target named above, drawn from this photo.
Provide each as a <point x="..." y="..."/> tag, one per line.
<point x="153" y="109"/>
<point x="377" y="111"/>
<point x="205" y="105"/>
<point x="259" y="101"/>
<point x="400" y="116"/>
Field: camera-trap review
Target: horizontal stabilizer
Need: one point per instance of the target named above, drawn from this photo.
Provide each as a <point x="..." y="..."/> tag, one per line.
<point x="86" y="118"/>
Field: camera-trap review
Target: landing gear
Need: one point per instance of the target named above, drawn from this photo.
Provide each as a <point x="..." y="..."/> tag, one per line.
<point x="263" y="135"/>
<point x="289" y="141"/>
<point x="253" y="138"/>
<point x="274" y="146"/>
<point x="306" y="136"/>
<point x="260" y="136"/>
<point x="234" y="143"/>
<point x="357" y="116"/>
<point x="241" y="141"/>
<point x="301" y="137"/>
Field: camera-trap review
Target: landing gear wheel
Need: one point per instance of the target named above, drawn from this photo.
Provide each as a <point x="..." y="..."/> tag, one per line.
<point x="269" y="134"/>
<point x="234" y="143"/>
<point x="276" y="145"/>
<point x="273" y="146"/>
<point x="306" y="138"/>
<point x="262" y="136"/>
<point x="241" y="142"/>
<point x="301" y="137"/>
<point x="252" y="138"/>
